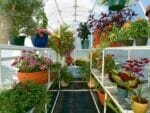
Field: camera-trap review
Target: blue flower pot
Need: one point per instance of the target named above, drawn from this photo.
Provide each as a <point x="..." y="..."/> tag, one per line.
<point x="38" y="41"/>
<point x="122" y="93"/>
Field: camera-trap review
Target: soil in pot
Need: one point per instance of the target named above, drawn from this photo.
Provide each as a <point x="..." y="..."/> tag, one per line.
<point x="137" y="107"/>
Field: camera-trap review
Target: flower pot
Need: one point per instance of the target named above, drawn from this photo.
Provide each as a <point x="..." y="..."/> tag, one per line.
<point x="38" y="41"/>
<point x="116" y="44"/>
<point x="128" y="42"/>
<point x="141" y="41"/>
<point x="139" y="107"/>
<point x="37" y="77"/>
<point x="85" y="44"/>
<point x="69" y="60"/>
<point x="122" y="92"/>
<point x="17" y="40"/>
<point x="91" y="83"/>
<point x="116" y="5"/>
<point x="64" y="84"/>
<point x="101" y="96"/>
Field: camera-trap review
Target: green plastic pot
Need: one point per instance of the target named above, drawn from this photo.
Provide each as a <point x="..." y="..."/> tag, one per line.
<point x="116" y="5"/>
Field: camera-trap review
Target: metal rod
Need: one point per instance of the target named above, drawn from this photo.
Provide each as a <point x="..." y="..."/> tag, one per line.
<point x="97" y="108"/>
<point x="55" y="102"/>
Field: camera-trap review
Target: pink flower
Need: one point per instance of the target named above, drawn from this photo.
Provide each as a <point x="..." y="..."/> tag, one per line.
<point x="31" y="62"/>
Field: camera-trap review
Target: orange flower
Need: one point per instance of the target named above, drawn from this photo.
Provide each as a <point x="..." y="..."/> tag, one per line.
<point x="139" y="19"/>
<point x="103" y="34"/>
<point x="126" y="25"/>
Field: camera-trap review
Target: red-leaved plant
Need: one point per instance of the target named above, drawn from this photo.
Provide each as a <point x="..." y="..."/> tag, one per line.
<point x="135" y="66"/>
<point x="129" y="76"/>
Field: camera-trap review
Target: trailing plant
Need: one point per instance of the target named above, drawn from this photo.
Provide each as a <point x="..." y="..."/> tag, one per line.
<point x="23" y="97"/>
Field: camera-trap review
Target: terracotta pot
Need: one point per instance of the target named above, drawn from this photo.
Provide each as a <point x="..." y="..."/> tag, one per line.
<point x="91" y="83"/>
<point x="139" y="107"/>
<point x="52" y="76"/>
<point x="101" y="96"/>
<point x="37" y="77"/>
<point x="69" y="60"/>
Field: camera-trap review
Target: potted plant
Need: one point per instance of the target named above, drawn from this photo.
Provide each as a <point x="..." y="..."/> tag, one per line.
<point x="41" y="37"/>
<point x="23" y="97"/>
<point x="139" y="104"/>
<point x="139" y="30"/>
<point x="85" y="73"/>
<point x="83" y="33"/>
<point x="32" y="66"/>
<point x="129" y="76"/>
<point x="108" y="22"/>
<point x="125" y="34"/>
<point x="115" y="5"/>
<point x="20" y="16"/>
<point x="65" y="76"/>
<point x="63" y="43"/>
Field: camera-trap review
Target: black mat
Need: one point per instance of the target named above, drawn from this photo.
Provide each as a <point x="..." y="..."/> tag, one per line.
<point x="75" y="102"/>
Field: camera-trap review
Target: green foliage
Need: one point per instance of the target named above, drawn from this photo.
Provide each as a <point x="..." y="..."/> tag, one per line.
<point x="64" y="43"/>
<point x="25" y="15"/>
<point x="55" y="67"/>
<point x="139" y="28"/>
<point x="22" y="97"/>
<point x="83" y="31"/>
<point x="85" y="71"/>
<point x="65" y="74"/>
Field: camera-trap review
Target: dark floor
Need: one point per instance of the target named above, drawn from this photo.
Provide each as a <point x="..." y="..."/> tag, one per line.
<point x="76" y="101"/>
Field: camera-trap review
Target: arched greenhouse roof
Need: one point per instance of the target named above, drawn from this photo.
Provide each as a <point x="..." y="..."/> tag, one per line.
<point x="73" y="12"/>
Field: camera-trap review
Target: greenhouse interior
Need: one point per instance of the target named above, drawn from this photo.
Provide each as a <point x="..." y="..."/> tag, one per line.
<point x="88" y="56"/>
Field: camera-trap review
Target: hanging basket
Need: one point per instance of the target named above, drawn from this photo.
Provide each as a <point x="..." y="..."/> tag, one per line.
<point x="38" y="41"/>
<point x="17" y="40"/>
<point x="116" y="5"/>
<point x="37" y="77"/>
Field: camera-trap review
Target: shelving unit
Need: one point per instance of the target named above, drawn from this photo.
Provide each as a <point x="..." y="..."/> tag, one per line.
<point x="109" y="87"/>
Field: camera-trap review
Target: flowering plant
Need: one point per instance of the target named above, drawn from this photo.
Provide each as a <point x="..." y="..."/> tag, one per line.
<point x="139" y="28"/>
<point x="132" y="71"/>
<point x="41" y="32"/>
<point x="31" y="62"/>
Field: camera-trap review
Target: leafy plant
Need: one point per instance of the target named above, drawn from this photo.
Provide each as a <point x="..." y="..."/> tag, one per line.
<point x="85" y="71"/>
<point x="22" y="97"/>
<point x="129" y="77"/>
<point x="83" y="31"/>
<point x="55" y="67"/>
<point x="139" y="28"/>
<point x="65" y="74"/>
<point x="106" y="1"/>
<point x="62" y="44"/>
